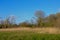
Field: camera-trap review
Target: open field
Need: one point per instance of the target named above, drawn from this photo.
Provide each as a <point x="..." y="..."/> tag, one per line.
<point x="38" y="30"/>
<point x="27" y="35"/>
<point x="30" y="34"/>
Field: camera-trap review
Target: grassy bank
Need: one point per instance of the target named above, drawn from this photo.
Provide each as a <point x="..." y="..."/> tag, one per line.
<point x="26" y="35"/>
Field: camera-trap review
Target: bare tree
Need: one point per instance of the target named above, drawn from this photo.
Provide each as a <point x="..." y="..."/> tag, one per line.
<point x="40" y="16"/>
<point x="52" y="19"/>
<point x="12" y="19"/>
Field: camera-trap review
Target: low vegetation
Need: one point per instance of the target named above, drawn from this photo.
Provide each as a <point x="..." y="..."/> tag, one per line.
<point x="26" y="35"/>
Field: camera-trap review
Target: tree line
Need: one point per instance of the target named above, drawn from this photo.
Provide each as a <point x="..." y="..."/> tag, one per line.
<point x="39" y="20"/>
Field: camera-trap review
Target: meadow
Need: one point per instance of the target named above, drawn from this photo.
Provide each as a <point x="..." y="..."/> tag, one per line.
<point x="27" y="35"/>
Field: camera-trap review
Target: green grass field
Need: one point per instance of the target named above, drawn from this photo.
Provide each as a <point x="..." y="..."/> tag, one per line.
<point x="26" y="35"/>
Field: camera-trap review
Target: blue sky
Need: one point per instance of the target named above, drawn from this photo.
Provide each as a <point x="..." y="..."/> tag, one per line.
<point x="25" y="9"/>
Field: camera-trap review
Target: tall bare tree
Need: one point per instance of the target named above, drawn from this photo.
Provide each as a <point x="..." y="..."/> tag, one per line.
<point x="40" y="17"/>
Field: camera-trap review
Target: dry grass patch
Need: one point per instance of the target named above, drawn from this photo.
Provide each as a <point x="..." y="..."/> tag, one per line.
<point x="38" y="30"/>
